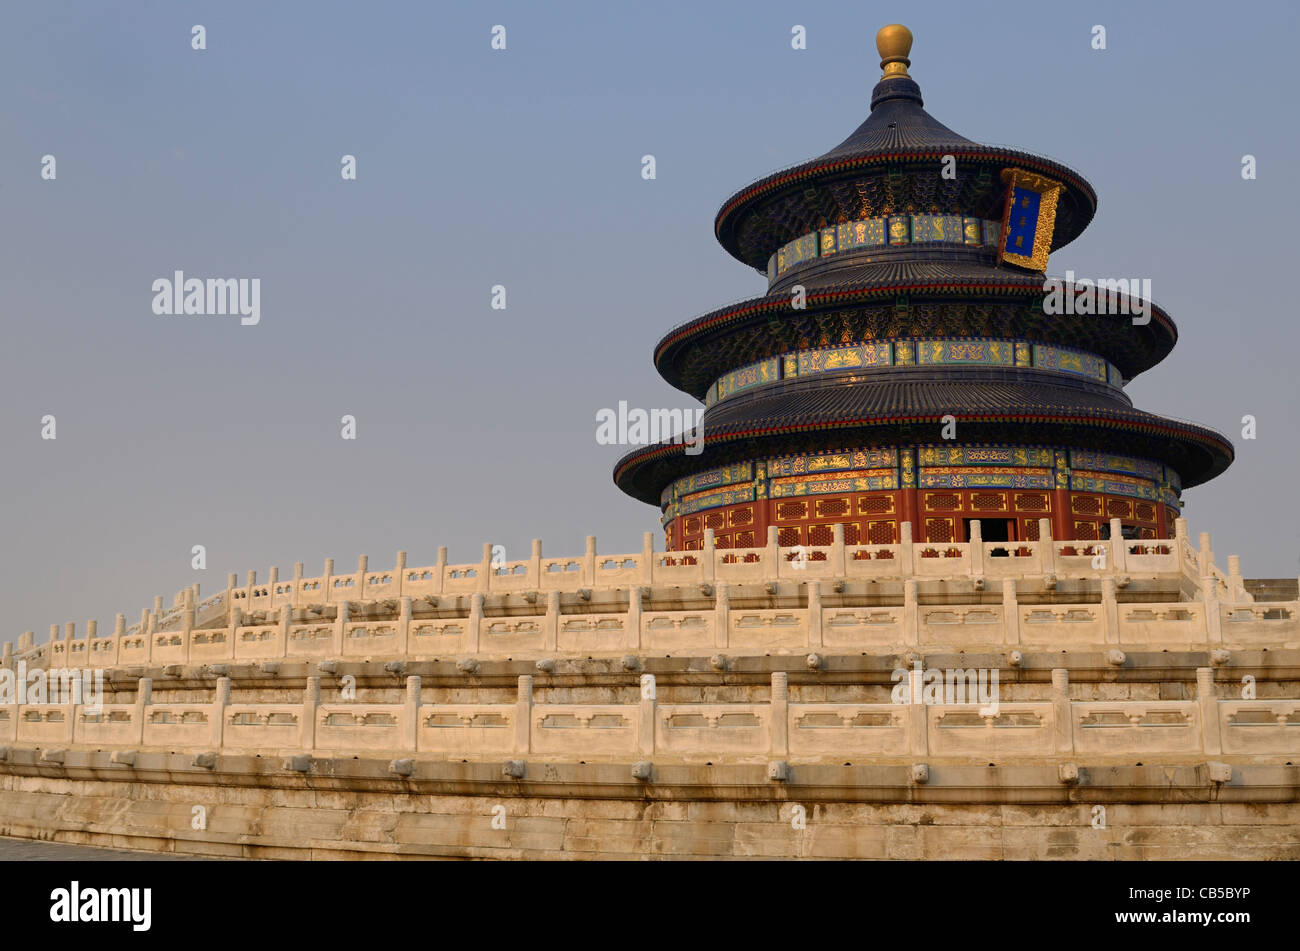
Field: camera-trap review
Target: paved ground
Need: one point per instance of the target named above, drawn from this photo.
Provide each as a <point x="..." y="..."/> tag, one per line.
<point x="29" y="850"/>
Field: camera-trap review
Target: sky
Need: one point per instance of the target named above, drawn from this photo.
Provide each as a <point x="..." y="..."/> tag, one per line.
<point x="522" y="168"/>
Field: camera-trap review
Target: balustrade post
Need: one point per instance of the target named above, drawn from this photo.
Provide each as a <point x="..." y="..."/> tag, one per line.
<point x="1210" y="606"/>
<point x="589" y="563"/>
<point x="975" y="548"/>
<point x="363" y="566"/>
<point x="1118" y="547"/>
<point x="1062" y="712"/>
<point x="404" y="627"/>
<point x="327" y="580"/>
<point x="475" y="622"/>
<point x="220" y="701"/>
<point x="146" y="634"/>
<point x="838" y="566"/>
<point x="906" y="562"/>
<point x="411" y="715"/>
<point x="632" y="634"/>
<point x="310" y="706"/>
<point x="340" y="628"/>
<point x="1010" y="612"/>
<point x="232" y="579"/>
<point x="524" y="715"/>
<point x="911" y="613"/>
<point x="440" y="571"/>
<point x="647" y="711"/>
<point x="551" y="623"/>
<point x="143" y="698"/>
<point x="297" y="584"/>
<point x="648" y="558"/>
<point x="918" y="736"/>
<point x="1110" y="610"/>
<point x="187" y="628"/>
<point x="486" y="571"/>
<point x="721" y="615"/>
<point x="779" y="715"/>
<point x="814" y="613"/>
<point x="286" y="622"/>
<point x="709" y="557"/>
<point x="1208" y="707"/>
<point x="399" y="572"/>
<point x="1238" y="592"/>
<point x="1046" y="547"/>
<point x="535" y="564"/>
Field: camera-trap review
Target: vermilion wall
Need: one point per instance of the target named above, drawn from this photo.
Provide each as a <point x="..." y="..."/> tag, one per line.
<point x="936" y="515"/>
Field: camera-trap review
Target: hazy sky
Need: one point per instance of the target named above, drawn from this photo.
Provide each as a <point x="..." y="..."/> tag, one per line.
<point x="522" y="168"/>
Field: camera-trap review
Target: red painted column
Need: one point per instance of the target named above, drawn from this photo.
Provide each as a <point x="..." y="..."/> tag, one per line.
<point x="1062" y="523"/>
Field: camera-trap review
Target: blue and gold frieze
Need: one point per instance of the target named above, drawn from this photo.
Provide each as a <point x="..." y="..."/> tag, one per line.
<point x="1066" y="360"/>
<point x="1023" y="456"/>
<point x="755" y="374"/>
<point x="900" y="229"/>
<point x="868" y="233"/>
<point x="976" y="477"/>
<point x="832" y="461"/>
<point x="907" y="468"/>
<point x="862" y="480"/>
<point x="726" y="475"/>
<point x="796" y="252"/>
<point x="1111" y="484"/>
<point x="711" y="500"/>
<point x="980" y="352"/>
<point x="882" y="231"/>
<point x="842" y="358"/>
<point x="962" y="351"/>
<point x="1109" y="462"/>
<point x="1173" y="479"/>
<point x="945" y="228"/>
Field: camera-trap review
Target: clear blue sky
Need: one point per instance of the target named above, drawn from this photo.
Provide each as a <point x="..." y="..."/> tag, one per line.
<point x="522" y="168"/>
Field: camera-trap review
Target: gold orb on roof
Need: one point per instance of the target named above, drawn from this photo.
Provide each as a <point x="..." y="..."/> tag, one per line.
<point x="893" y="43"/>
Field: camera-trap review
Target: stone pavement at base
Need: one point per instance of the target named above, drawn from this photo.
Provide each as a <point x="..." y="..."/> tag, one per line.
<point x="30" y="850"/>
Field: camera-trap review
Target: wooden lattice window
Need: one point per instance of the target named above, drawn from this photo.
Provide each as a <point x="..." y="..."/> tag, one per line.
<point x="830" y="508"/>
<point x="1085" y="505"/>
<point x="939" y="529"/>
<point x="1029" y="502"/>
<point x="880" y="533"/>
<point x="875" y="505"/>
<point x="988" y="501"/>
<point x="743" y="515"/>
<point x="791" y="510"/>
<point x="942" y="500"/>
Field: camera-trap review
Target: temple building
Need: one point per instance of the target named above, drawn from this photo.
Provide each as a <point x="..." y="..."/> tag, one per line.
<point x="909" y="363"/>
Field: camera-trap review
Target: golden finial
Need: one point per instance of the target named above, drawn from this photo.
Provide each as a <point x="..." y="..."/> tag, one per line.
<point x="893" y="43"/>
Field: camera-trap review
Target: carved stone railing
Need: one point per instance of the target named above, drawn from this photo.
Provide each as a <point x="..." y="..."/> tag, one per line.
<point x="1053" y="727"/>
<point x="1201" y="605"/>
